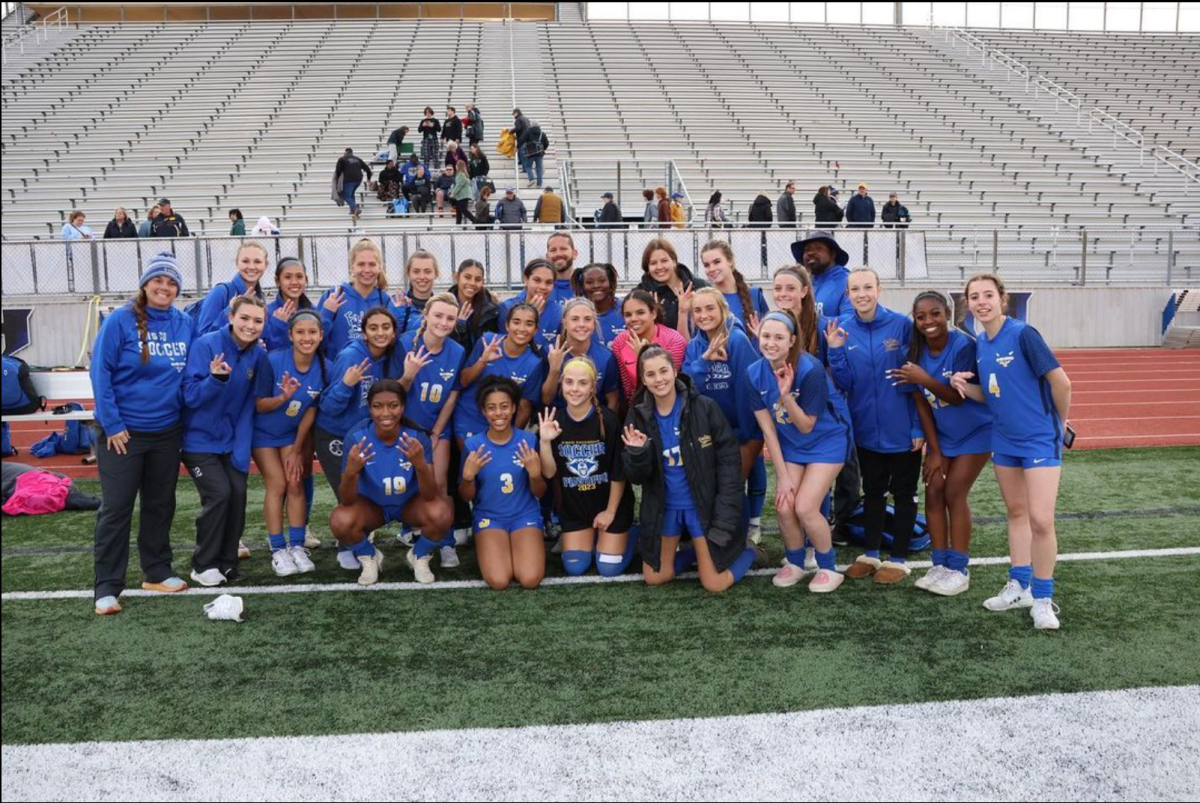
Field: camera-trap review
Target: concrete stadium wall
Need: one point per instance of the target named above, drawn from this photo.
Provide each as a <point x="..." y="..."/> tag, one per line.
<point x="1068" y="317"/>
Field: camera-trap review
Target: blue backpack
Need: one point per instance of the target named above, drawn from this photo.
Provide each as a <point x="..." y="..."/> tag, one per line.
<point x="76" y="437"/>
<point x="920" y="537"/>
<point x="400" y="206"/>
<point x="18" y="395"/>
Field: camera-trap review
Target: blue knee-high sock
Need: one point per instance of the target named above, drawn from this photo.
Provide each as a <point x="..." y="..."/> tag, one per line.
<point x="957" y="561"/>
<point x="742" y="564"/>
<point x="827" y="505"/>
<point x="1022" y="574"/>
<point x="364" y="548"/>
<point x="795" y="557"/>
<point x="685" y="559"/>
<point x="576" y="561"/>
<point x="1043" y="588"/>
<point x="940" y="557"/>
<point x="827" y="560"/>
<point x="295" y="536"/>
<point x="310" y="491"/>
<point x="424" y="547"/>
<point x="277" y="541"/>
<point x="613" y="565"/>
<point x="872" y="553"/>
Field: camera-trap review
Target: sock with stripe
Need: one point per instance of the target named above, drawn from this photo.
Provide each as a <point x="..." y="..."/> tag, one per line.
<point x="576" y="561"/>
<point x="1043" y="588"/>
<point x="957" y="561"/>
<point x="277" y="541"/>
<point x="1022" y="574"/>
<point x="827" y="560"/>
<point x="685" y="559"/>
<point x="742" y="564"/>
<point x="940" y="557"/>
<point x="295" y="536"/>
<point x="612" y="564"/>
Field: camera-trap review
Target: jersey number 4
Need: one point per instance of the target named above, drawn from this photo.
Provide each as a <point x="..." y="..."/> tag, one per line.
<point x="993" y="386"/>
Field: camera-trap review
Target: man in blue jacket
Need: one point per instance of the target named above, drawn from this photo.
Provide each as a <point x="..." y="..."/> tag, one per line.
<point x="860" y="211"/>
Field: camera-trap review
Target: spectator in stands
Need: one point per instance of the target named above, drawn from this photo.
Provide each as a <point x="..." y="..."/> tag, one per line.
<point x="650" y="215"/>
<point x="678" y="211"/>
<point x="461" y="194"/>
<point x="760" y="213"/>
<point x="452" y="128"/>
<point x="520" y="127"/>
<point x="610" y="214"/>
<point x="828" y="213"/>
<point x="454" y="154"/>
<point x="895" y="214"/>
<point x="120" y="226"/>
<point x="419" y="189"/>
<point x="238" y="221"/>
<point x="350" y="170"/>
<point x="430" y="128"/>
<point x="395" y="140"/>
<point x="860" y="211"/>
<point x="74" y="229"/>
<point x="146" y="225"/>
<point x="389" y="183"/>
<point x="534" y="147"/>
<point x="549" y="208"/>
<point x="785" y="207"/>
<point x="714" y="213"/>
<point x="474" y="129"/>
<point x="168" y="223"/>
<point x="442" y="188"/>
<point x="264" y="228"/>
<point x="663" y="207"/>
<point x="483" y="208"/>
<point x="477" y="163"/>
<point x="510" y="210"/>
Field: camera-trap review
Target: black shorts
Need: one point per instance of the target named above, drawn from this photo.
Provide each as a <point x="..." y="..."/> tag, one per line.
<point x="622" y="522"/>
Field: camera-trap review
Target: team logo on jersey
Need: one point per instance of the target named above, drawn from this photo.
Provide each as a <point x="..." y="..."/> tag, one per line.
<point x="720" y="370"/>
<point x="519" y="379"/>
<point x="314" y="393"/>
<point x="249" y="373"/>
<point x="1004" y="362"/>
<point x="335" y="448"/>
<point x="891" y="344"/>
<point x="446" y="375"/>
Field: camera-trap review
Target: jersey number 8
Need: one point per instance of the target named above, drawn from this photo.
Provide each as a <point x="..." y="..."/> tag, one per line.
<point x="293" y="408"/>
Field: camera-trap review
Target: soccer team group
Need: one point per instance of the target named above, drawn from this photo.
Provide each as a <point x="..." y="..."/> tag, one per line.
<point x="435" y="409"/>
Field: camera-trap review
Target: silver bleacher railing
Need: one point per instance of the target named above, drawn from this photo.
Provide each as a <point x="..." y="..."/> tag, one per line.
<point x="39" y="31"/>
<point x="917" y="255"/>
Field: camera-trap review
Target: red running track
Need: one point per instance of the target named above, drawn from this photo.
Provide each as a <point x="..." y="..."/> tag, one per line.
<point x="1120" y="398"/>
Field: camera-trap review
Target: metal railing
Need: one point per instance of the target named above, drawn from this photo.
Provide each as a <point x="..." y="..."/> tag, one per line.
<point x="39" y="30"/>
<point x="617" y="178"/>
<point x="917" y="255"/>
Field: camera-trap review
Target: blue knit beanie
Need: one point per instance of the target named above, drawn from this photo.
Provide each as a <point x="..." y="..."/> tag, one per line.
<point x="163" y="264"/>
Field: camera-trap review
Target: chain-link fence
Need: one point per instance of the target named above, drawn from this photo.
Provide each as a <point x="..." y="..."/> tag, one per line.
<point x="1099" y="256"/>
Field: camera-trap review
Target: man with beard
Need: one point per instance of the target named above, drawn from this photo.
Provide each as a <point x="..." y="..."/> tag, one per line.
<point x="826" y="262"/>
<point x="560" y="250"/>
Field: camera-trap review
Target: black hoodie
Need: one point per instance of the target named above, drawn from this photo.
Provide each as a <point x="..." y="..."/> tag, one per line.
<point x="760" y="213"/>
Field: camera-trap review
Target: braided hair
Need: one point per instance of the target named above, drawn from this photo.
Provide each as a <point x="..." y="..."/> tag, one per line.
<point x="595" y="374"/>
<point x="807" y="318"/>
<point x="139" y="313"/>
<point x="918" y="343"/>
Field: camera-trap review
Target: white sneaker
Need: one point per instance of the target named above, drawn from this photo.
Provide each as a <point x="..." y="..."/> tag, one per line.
<point x="754" y="533"/>
<point x="931" y="577"/>
<point x="449" y="557"/>
<point x="303" y="562"/>
<point x="950" y="584"/>
<point x="243" y="550"/>
<point x="1011" y="596"/>
<point x="788" y="576"/>
<point x="461" y="536"/>
<point x="282" y="563"/>
<point x="209" y="577"/>
<point x="810" y="559"/>
<point x="348" y="560"/>
<point x="372" y="565"/>
<point x="420" y="567"/>
<point x="310" y="540"/>
<point x="407" y="537"/>
<point x="1045" y="614"/>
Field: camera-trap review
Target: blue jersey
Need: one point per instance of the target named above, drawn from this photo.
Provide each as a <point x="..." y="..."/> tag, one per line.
<point x="724" y="381"/>
<point x="502" y="488"/>
<point x="1012" y="369"/>
<point x="432" y="386"/>
<point x="275" y="333"/>
<point x="830" y="440"/>
<point x="524" y="369"/>
<point x="389" y="479"/>
<point x="679" y="493"/>
<point x="344" y="327"/>
<point x="962" y="428"/>
<point x="608" y="378"/>
<point x="278" y="427"/>
<point x="341" y="405"/>
<point x="756" y="298"/>
<point x="609" y="325"/>
<point x="549" y="321"/>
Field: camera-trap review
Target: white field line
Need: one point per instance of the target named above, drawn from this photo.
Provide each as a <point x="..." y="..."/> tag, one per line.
<point x="451" y="585"/>
<point x="1137" y="744"/>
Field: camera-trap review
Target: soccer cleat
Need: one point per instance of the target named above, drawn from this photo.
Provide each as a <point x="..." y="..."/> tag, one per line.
<point x="810" y="559"/>
<point x="788" y="576"/>
<point x="282" y="563"/>
<point x="449" y="557"/>
<point x="310" y="540"/>
<point x="1045" y="614"/>
<point x="754" y="534"/>
<point x="172" y="585"/>
<point x="931" y="577"/>
<point x="461" y="536"/>
<point x="107" y="606"/>
<point x="243" y="550"/>
<point x="303" y="562"/>
<point x="372" y="565"/>
<point x="348" y="560"/>
<point x="209" y="577"/>
<point x="420" y="567"/>
<point x="1011" y="596"/>
<point x="950" y="584"/>
<point x="889" y="573"/>
<point x="862" y="567"/>
<point x="825" y="581"/>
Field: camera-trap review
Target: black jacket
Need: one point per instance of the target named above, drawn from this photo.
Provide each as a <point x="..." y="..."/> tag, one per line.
<point x="452" y="129"/>
<point x="520" y="126"/>
<point x="827" y="211"/>
<point x="397" y="137"/>
<point x="351" y="169"/>
<point x="666" y="296"/>
<point x="116" y="230"/>
<point x="712" y="461"/>
<point x="171" y="225"/>
<point x="475" y="169"/>
<point x="474" y="126"/>
<point x="610" y="216"/>
<point x="467" y="333"/>
<point x="891" y="213"/>
<point x="760" y="212"/>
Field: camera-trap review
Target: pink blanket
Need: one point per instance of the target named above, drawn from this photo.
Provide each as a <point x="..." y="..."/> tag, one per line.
<point x="38" y="492"/>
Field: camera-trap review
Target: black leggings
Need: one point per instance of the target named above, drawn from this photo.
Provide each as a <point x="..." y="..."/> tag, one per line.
<point x="462" y="210"/>
<point x="897" y="473"/>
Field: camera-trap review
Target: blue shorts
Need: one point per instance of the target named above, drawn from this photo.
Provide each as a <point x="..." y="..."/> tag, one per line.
<point x="462" y="433"/>
<point x="1009" y="461"/>
<point x="978" y="442"/>
<point x="677" y="522"/>
<point x="510" y="524"/>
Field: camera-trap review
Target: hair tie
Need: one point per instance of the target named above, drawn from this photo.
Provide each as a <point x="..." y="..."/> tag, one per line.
<point x="783" y="318"/>
<point x="586" y="363"/>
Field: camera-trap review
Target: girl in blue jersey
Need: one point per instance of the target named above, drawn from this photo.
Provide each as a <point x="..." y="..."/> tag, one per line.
<point x="539" y="285"/>
<point x="578" y="339"/>
<point x="511" y="355"/>
<point x="502" y="477"/>
<point x="887" y="431"/>
<point x="387" y="476"/>
<point x="804" y="423"/>
<point x="251" y="262"/>
<point x="136" y="372"/>
<point x="343" y="307"/>
<point x="959" y="440"/>
<point x="289" y="387"/>
<point x="1029" y="395"/>
<point x="292" y="281"/>
<point x="598" y="283"/>
<point x="581" y="455"/>
<point x="218" y="425"/>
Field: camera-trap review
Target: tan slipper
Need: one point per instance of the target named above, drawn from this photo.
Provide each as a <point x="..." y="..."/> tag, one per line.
<point x="863" y="567"/>
<point x="891" y="573"/>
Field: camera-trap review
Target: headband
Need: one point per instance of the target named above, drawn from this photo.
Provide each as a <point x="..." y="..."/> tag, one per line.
<point x="304" y="313"/>
<point x="586" y="363"/>
<point x="287" y="261"/>
<point x="786" y="320"/>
